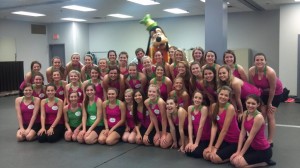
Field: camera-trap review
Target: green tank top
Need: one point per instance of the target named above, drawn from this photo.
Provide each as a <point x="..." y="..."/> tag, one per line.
<point x="74" y="117"/>
<point x="92" y="115"/>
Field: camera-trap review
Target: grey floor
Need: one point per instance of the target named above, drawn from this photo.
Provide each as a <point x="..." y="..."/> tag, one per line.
<point x="63" y="154"/>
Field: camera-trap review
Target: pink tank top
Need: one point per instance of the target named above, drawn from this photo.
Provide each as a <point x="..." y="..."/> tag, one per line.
<point x="99" y="90"/>
<point x="155" y="110"/>
<point x="134" y="83"/>
<point x="206" y="128"/>
<point x="41" y="94"/>
<point x="176" y="122"/>
<point x="125" y="73"/>
<point x="163" y="89"/>
<point x="144" y="121"/>
<point x="198" y="86"/>
<point x="263" y="83"/>
<point x="259" y="142"/>
<point x="80" y="93"/>
<point x="233" y="132"/>
<point x="60" y="92"/>
<point x="129" y="119"/>
<point x="140" y="67"/>
<point x="248" y="89"/>
<point x="235" y="72"/>
<point x="51" y="113"/>
<point x="113" y="115"/>
<point x="27" y="111"/>
<point x="115" y="84"/>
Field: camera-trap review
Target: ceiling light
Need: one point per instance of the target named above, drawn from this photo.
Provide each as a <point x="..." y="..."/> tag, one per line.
<point x="73" y="19"/>
<point x="79" y="8"/>
<point x="144" y="2"/>
<point x="28" y="13"/>
<point x="202" y="0"/>
<point x="297" y="0"/>
<point x="176" y="11"/>
<point x="119" y="15"/>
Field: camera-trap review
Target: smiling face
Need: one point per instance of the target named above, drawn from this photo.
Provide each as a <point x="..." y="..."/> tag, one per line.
<point x="181" y="68"/>
<point x="38" y="80"/>
<point x="50" y="91"/>
<point x="90" y="91"/>
<point x="128" y="97"/>
<point x="223" y="96"/>
<point x="111" y="95"/>
<point x="113" y="74"/>
<point x="158" y="57"/>
<point x="171" y="105"/>
<point x="178" y="84"/>
<point x="147" y="63"/>
<point x="73" y="98"/>
<point x="251" y="105"/>
<point x="140" y="54"/>
<point x="88" y="61"/>
<point x="152" y="92"/>
<point x="123" y="59"/>
<point x="73" y="77"/>
<point x="132" y="71"/>
<point x="195" y="69"/>
<point x="178" y="56"/>
<point x="260" y="61"/>
<point x="208" y="75"/>
<point x="56" y="63"/>
<point x="28" y="91"/>
<point x="75" y="59"/>
<point x="138" y="98"/>
<point x="223" y="74"/>
<point x="112" y="56"/>
<point x="197" y="99"/>
<point x="159" y="72"/>
<point x="197" y="55"/>
<point x="210" y="58"/>
<point x="94" y="74"/>
<point x="56" y="76"/>
<point x="229" y="59"/>
<point x="36" y="67"/>
<point x="102" y="64"/>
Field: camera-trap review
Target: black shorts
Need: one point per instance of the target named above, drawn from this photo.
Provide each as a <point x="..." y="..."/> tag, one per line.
<point x="276" y="100"/>
<point x="35" y="127"/>
<point x="226" y="150"/>
<point x="120" y="130"/>
<point x="97" y="129"/>
<point x="198" y="152"/>
<point x="178" y="133"/>
<point x="151" y="134"/>
<point x="257" y="156"/>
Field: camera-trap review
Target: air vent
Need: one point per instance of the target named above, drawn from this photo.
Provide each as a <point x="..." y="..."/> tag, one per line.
<point x="38" y="29"/>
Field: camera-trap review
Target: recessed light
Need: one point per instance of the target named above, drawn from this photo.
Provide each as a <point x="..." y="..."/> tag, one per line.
<point x="144" y="2"/>
<point x="176" y="11"/>
<point x="73" y="19"/>
<point x="28" y="13"/>
<point x="119" y="15"/>
<point x="297" y="0"/>
<point x="202" y="0"/>
<point x="79" y="8"/>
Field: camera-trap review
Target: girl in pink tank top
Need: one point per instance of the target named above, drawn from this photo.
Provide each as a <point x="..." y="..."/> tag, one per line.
<point x="163" y="82"/>
<point x="60" y="84"/>
<point x="196" y="78"/>
<point x="157" y="108"/>
<point x="256" y="149"/>
<point x="143" y="125"/>
<point x="38" y="86"/>
<point x="135" y="79"/>
<point x="238" y="71"/>
<point x="210" y="84"/>
<point x="224" y="121"/>
<point x="115" y="80"/>
<point x="199" y="127"/>
<point x="180" y="93"/>
<point x="114" y="116"/>
<point x="96" y="80"/>
<point x="130" y="132"/>
<point x="177" y="119"/>
<point x="123" y="60"/>
<point x="179" y="55"/>
<point x="52" y="123"/>
<point x="27" y="108"/>
<point x="74" y="86"/>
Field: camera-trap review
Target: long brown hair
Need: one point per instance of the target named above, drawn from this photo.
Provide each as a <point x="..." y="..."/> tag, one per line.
<point x="135" y="106"/>
<point x="86" y="99"/>
<point x="217" y="106"/>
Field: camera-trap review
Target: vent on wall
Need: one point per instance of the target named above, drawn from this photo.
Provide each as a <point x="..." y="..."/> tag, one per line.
<point x="38" y="29"/>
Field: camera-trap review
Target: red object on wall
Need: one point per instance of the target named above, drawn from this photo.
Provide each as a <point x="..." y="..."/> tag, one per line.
<point x="55" y="36"/>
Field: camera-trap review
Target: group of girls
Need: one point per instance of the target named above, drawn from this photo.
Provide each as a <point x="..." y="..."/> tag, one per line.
<point x="195" y="107"/>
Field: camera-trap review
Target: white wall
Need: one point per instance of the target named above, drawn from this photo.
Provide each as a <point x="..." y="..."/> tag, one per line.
<point x="289" y="31"/>
<point x="245" y="30"/>
<point x="74" y="35"/>
<point x="29" y="46"/>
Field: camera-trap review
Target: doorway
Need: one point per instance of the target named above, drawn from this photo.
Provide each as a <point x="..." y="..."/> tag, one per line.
<point x="57" y="50"/>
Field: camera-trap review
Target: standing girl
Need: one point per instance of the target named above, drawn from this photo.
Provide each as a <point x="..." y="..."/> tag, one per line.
<point x="96" y="80"/>
<point x="149" y="69"/>
<point x="224" y="121"/>
<point x="158" y="57"/>
<point x="60" y="84"/>
<point x="74" y="64"/>
<point x="27" y="108"/>
<point x="157" y="108"/>
<point x="29" y="77"/>
<point x="52" y="124"/>
<point x="135" y="79"/>
<point x="210" y="84"/>
<point x="56" y="65"/>
<point x="115" y="80"/>
<point x="114" y="116"/>
<point x="237" y="70"/>
<point x="198" y="56"/>
<point x="73" y="117"/>
<point x="264" y="77"/>
<point x="92" y="122"/>
<point x="199" y="127"/>
<point x="210" y="60"/>
<point x="86" y="69"/>
<point x="38" y="86"/>
<point x="74" y="86"/>
<point x="123" y="59"/>
<point x="103" y="67"/>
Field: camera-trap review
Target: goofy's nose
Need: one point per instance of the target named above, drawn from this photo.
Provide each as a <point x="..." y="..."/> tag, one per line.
<point x="158" y="39"/>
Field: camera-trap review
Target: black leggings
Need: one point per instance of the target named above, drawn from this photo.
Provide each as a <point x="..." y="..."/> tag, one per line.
<point x="58" y="134"/>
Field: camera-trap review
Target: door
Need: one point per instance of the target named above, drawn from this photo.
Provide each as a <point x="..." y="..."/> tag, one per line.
<point x="57" y="50"/>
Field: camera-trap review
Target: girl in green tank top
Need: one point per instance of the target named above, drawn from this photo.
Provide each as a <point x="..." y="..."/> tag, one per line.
<point x="73" y="117"/>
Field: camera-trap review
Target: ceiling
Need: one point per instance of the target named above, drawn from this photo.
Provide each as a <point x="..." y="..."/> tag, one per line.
<point x="53" y="11"/>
